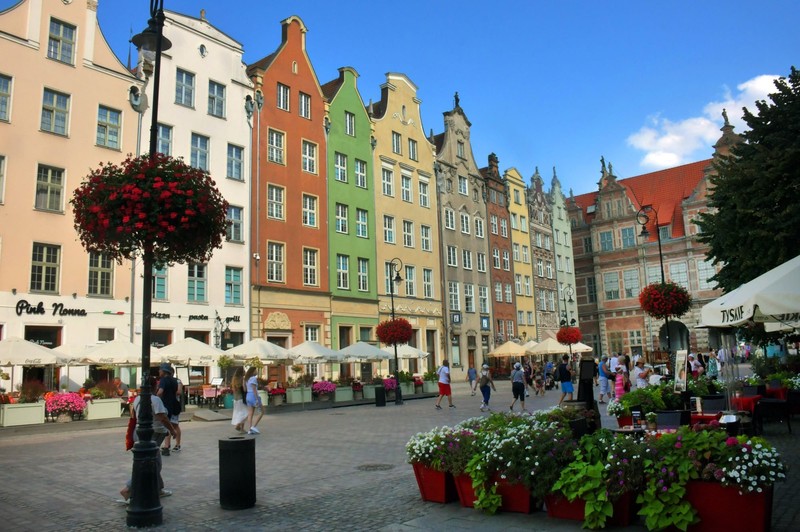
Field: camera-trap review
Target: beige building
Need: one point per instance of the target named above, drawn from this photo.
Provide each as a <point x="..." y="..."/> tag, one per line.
<point x="64" y="106"/>
<point x="567" y="302"/>
<point x="522" y="263"/>
<point x="406" y="210"/>
<point x="544" y="260"/>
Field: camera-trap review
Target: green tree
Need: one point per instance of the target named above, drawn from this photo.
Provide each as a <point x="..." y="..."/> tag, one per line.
<point x="754" y="223"/>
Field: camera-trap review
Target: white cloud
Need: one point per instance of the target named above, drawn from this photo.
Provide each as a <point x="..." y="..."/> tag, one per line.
<point x="668" y="143"/>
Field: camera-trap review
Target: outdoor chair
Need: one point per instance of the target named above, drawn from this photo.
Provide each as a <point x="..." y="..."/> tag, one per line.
<point x="668" y="419"/>
<point x="772" y="409"/>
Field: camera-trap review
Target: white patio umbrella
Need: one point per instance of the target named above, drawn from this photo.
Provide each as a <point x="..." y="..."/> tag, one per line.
<point x="258" y="347"/>
<point x="580" y="347"/>
<point x="530" y="344"/>
<point x="70" y="355"/>
<point x="313" y="353"/>
<point x="18" y="352"/>
<point x="363" y="352"/>
<point x="406" y="351"/>
<point x="190" y="352"/>
<point x="117" y="353"/>
<point x="550" y="346"/>
<point x="509" y="349"/>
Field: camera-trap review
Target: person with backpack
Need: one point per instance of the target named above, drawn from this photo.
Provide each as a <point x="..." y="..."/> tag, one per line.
<point x="169" y="390"/>
<point x="484" y="385"/>
<point x="565" y="378"/>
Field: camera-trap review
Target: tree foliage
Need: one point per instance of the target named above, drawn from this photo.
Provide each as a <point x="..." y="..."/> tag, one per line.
<point x="754" y="222"/>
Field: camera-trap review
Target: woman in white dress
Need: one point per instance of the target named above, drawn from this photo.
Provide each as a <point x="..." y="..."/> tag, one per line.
<point x="239" y="409"/>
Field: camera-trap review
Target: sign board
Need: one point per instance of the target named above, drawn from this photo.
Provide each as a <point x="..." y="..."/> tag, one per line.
<point x="216" y="381"/>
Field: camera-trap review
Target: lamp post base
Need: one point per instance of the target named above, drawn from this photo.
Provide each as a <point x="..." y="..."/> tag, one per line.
<point x="398" y="395"/>
<point x="145" y="509"/>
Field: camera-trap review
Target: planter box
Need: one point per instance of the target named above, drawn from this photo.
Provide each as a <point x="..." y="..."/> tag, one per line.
<point x="343" y="393"/>
<point x="625" y="421"/>
<point x="276" y="400"/>
<point x="723" y="508"/>
<point x="13" y="415"/>
<point x="430" y="387"/>
<point x="298" y="395"/>
<point x="227" y="400"/>
<point x="466" y="494"/>
<point x="435" y="486"/>
<point x="262" y="394"/>
<point x="407" y="388"/>
<point x="624" y="509"/>
<point x="369" y="391"/>
<point x="516" y="497"/>
<point x="103" y="409"/>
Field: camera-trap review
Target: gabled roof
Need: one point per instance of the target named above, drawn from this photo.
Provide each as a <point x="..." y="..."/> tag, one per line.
<point x="264" y="63"/>
<point x="664" y="190"/>
<point x="332" y="87"/>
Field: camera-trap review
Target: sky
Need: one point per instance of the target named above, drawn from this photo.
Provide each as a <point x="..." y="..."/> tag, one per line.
<point x="545" y="84"/>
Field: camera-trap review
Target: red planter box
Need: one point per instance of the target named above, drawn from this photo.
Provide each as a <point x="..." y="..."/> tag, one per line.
<point x="516" y="497"/>
<point x="624" y="509"/>
<point x="722" y="508"/>
<point x="435" y="486"/>
<point x="466" y="495"/>
<point x="625" y="421"/>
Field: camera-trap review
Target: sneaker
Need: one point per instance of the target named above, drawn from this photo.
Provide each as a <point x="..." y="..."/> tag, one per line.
<point x="438" y="407"/>
<point x="452" y="406"/>
<point x="122" y="501"/>
<point x="165" y="493"/>
<point x="165" y="451"/>
<point x="176" y="449"/>
<point x="254" y="430"/>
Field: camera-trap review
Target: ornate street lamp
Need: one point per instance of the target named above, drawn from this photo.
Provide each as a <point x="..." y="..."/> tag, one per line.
<point x="145" y="507"/>
<point x="567" y="292"/>
<point x="395" y="265"/>
<point x="643" y="219"/>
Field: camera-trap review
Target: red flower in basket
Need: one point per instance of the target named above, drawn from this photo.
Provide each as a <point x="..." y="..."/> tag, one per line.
<point x="569" y="335"/>
<point x="663" y="300"/>
<point x="396" y="331"/>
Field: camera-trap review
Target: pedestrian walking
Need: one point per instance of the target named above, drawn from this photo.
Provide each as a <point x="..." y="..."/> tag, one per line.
<point x="169" y="391"/>
<point x="528" y="371"/>
<point x="565" y="378"/>
<point x="239" y="415"/>
<point x="444" y="385"/>
<point x="486" y="385"/>
<point x="253" y="400"/>
<point x="472" y="377"/>
<point x="604" y="372"/>
<point x="518" y="386"/>
<point x="622" y="382"/>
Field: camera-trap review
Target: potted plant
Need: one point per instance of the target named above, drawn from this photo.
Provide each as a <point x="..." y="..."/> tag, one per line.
<point x="226" y="393"/>
<point x="104" y="402"/>
<point x="299" y="389"/>
<point x="648" y="398"/>
<point x="651" y="418"/>
<point x="64" y="406"/>
<point x="665" y="300"/>
<point x="344" y="389"/>
<point x="358" y="389"/>
<point x="28" y="410"/>
<point x="225" y="363"/>
<point x="430" y="382"/>
<point x="323" y="390"/>
<point x="600" y="484"/>
<point x="369" y="389"/>
<point x="621" y="412"/>
<point x="277" y="396"/>
<point x="437" y="456"/>
<point x="406" y="382"/>
<point x="390" y="385"/>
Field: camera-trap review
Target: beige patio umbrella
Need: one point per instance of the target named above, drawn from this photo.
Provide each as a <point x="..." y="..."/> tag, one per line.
<point x="313" y="353"/>
<point x="363" y="352"/>
<point x="117" y="353"/>
<point x="18" y="352"/>
<point x="580" y="347"/>
<point x="190" y="352"/>
<point x="550" y="346"/>
<point x="258" y="347"/>
<point x="70" y="355"/>
<point x="509" y="349"/>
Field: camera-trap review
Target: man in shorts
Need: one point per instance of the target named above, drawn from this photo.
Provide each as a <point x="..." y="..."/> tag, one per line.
<point x="444" y="385"/>
<point x="565" y="378"/>
<point x="169" y="392"/>
<point x="518" y="386"/>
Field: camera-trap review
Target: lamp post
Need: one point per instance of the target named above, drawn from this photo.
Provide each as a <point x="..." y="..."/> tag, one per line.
<point x="565" y="292"/>
<point x="395" y="265"/>
<point x="221" y="330"/>
<point x="145" y="507"/>
<point x="643" y="219"/>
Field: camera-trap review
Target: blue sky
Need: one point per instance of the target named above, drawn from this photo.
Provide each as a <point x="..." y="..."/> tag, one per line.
<point x="544" y="83"/>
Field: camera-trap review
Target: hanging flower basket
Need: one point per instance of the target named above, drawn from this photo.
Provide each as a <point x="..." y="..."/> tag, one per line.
<point x="159" y="205"/>
<point x="569" y="335"/>
<point x="396" y="331"/>
<point x="664" y="300"/>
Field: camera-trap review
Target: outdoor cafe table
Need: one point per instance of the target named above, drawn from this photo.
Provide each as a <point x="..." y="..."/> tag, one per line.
<point x="745" y="403"/>
<point x="704" y="418"/>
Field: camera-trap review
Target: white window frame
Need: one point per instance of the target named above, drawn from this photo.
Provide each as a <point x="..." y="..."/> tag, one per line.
<point x="216" y="99"/>
<point x="343" y="272"/>
<point x="101" y="275"/>
<point x="275" y="261"/>
<point x="481" y="262"/>
<point x="405" y="188"/>
<point x="55" y="112"/>
<point x="234" y="232"/>
<point x="469" y="297"/>
<point x="362" y="223"/>
<point x="426" y="242"/>
<point x="184" y="88"/>
<point x="200" y="151"/>
<point x="283" y="95"/>
<point x="466" y="224"/>
<point x="424" y="198"/>
<point x="341" y="212"/>
<point x="397" y="143"/>
<point x="427" y="283"/>
<point x="408" y="233"/>
<point x="387" y="182"/>
<point x="388" y="229"/>
<point x="411" y="281"/>
<point x="275" y="202"/>
<point x="45" y="268"/>
<point x="49" y="188"/>
<point x="340" y="167"/>
<point x="309" y="156"/>
<point x="309" y="215"/>
<point x="360" y="172"/>
<point x="466" y="259"/>
<point x="276" y="144"/>
<point x="452" y="256"/>
<point x="479" y="233"/>
<point x="197" y="282"/>
<point x="304" y="105"/>
<point x="454" y="295"/>
<point x="234" y="167"/>
<point x="363" y="274"/>
<point x="310" y="267"/>
<point x="349" y="124"/>
<point x="412" y="149"/>
<point x="449" y="219"/>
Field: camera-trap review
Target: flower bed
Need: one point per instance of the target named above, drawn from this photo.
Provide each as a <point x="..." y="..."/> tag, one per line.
<point x="64" y="403"/>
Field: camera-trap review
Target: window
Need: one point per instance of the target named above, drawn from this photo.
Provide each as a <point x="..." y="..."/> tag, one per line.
<point x="235" y="162"/>
<point x="556" y="237"/>
<point x="184" y="88"/>
<point x="275" y="202"/>
<point x="558" y="263"/>
<point x="521" y="317"/>
<point x="611" y="285"/>
<point x="628" y="237"/>
<point x="455" y="295"/>
<point x="282" y="97"/>
<point x="635" y="339"/>
<point x="587" y="244"/>
<point x="631" y="280"/>
<point x="362" y="223"/>
<point x="234" y="231"/>
<point x="514" y="221"/>
<point x="509" y="293"/>
<point x="49" y="188"/>
<point x="606" y="241"/>
<point x="164" y="140"/>
<point x="515" y="251"/>
<point x="542" y="299"/>
<point x="408" y="234"/>
<point x="540" y="267"/>
<point x="61" y="44"/>
<point x="705" y="269"/>
<point x="341" y="218"/>
<point x="527" y="284"/>
<point x="340" y="167"/>
<point x="551" y="300"/>
<point x="566" y="238"/>
<point x="469" y="298"/>
<point x="343" y="272"/>
<point x="504" y="228"/>
<point x="5" y="98"/>
<point x="654" y="274"/>
<point x="498" y="292"/>
<point x="481" y="262"/>
<point x="496" y="258"/>
<point x="479" y="227"/>
<point x="350" y="123"/>
<point x="665" y="232"/>
<point x="216" y="99"/>
<point x="275" y="146"/>
<point x="55" y="112"/>
<point x="388" y="229"/>
<point x="304" y="102"/>
<point x="463" y="188"/>
<point x="538" y="238"/>
<point x="549" y="269"/>
<point x="309" y="157"/>
<point x="361" y="173"/>
<point x="547" y="242"/>
<point x="387" y="182"/>
<point x="108" y="123"/>
<point x="449" y="219"/>
<point x="679" y="274"/>
<point x="397" y="143"/>
<point x="518" y="284"/>
<point x="2" y="176"/>
<point x="388" y="277"/>
<point x="509" y="328"/>
<point x="411" y="281"/>
<point x="199" y="151"/>
<point x="310" y="267"/>
<point x="568" y="262"/>
<point x="424" y="201"/>
<point x="309" y="210"/>
<point x="465" y="223"/>
<point x="466" y="259"/>
<point x="427" y="283"/>
<point x="274" y="262"/>
<point x="460" y="149"/>
<point x="591" y="289"/>
<point x="196" y="290"/>
<point x="525" y="255"/>
<point x="405" y="188"/>
<point x="506" y="261"/>
<point x="425" y="237"/>
<point x="101" y="274"/>
<point x="452" y="256"/>
<point x="160" y="283"/>
<point x="363" y="275"/>
<point x="233" y="286"/>
<point x="412" y="149"/>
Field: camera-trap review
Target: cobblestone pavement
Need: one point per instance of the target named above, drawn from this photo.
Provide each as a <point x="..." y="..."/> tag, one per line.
<point x="310" y="474"/>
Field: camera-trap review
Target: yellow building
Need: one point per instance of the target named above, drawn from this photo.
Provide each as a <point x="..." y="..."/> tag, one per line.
<point x="521" y="257"/>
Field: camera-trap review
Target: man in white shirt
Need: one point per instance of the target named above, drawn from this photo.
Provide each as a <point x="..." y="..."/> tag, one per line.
<point x="722" y="357"/>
